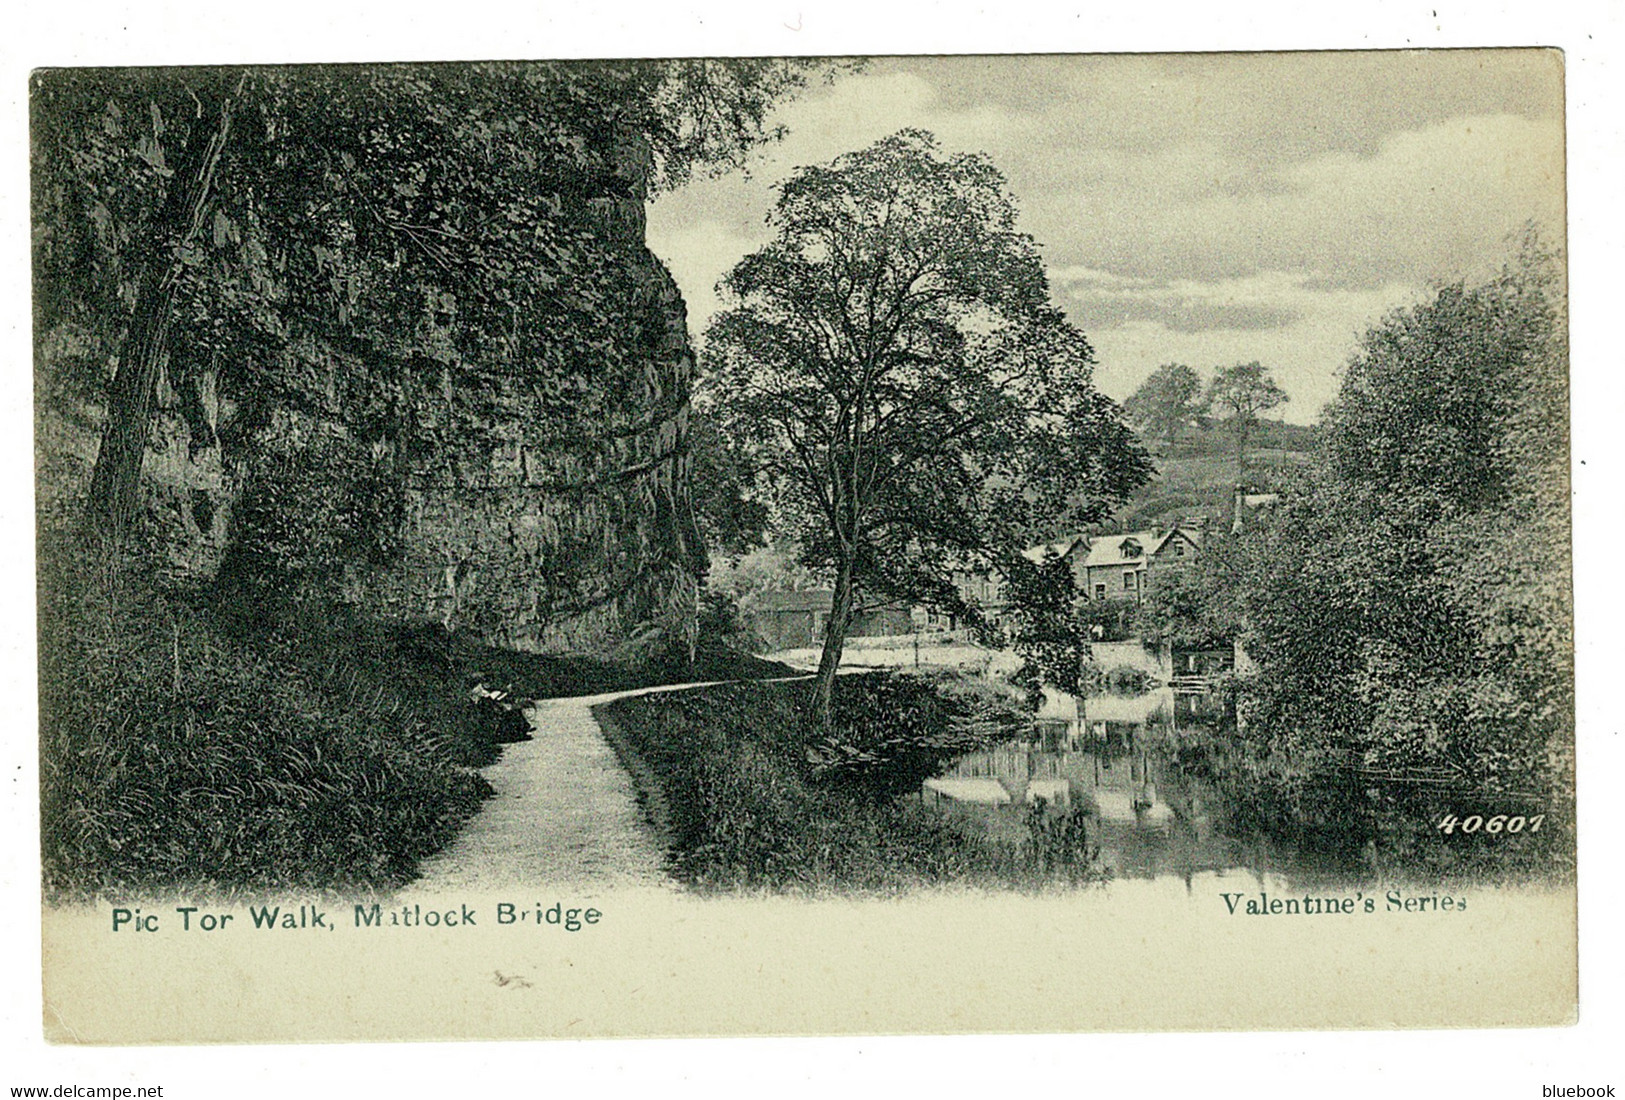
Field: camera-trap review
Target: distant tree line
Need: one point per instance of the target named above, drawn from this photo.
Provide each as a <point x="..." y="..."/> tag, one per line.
<point x="1173" y="400"/>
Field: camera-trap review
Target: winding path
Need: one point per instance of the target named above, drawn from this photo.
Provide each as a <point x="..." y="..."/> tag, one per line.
<point x="564" y="814"/>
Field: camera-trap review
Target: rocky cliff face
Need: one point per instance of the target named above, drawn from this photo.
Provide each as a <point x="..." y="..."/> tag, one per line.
<point x="570" y="539"/>
<point x="495" y="506"/>
<point x="572" y="536"/>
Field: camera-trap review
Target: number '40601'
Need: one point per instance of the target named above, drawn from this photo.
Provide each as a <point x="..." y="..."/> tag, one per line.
<point x="1500" y="823"/>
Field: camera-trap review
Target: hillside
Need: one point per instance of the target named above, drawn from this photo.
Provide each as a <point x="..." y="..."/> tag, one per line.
<point x="1197" y="475"/>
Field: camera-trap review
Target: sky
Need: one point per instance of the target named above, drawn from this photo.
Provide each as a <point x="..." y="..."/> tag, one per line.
<point x="1205" y="209"/>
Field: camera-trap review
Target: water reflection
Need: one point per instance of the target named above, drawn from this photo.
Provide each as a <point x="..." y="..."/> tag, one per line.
<point x="1113" y="758"/>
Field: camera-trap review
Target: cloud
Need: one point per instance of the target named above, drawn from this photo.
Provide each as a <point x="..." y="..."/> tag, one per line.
<point x="698" y="255"/>
<point x="1320" y="329"/>
<point x="1101" y="299"/>
<point x="1204" y="208"/>
<point x="1430" y="204"/>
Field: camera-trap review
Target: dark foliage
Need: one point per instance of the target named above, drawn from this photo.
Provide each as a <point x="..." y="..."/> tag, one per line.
<point x="1167" y="403"/>
<point x="755" y="797"/>
<point x="1046" y="628"/>
<point x="1408" y="604"/>
<point x="1115" y="618"/>
<point x="176" y="753"/>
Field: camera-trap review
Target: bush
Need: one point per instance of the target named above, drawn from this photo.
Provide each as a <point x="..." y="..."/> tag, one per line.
<point x="893" y="732"/>
<point x="1126" y="680"/>
<point x="175" y="754"/>
<point x="752" y="800"/>
<point x="722" y="626"/>
<point x="1115" y="618"/>
<point x="1060" y="841"/>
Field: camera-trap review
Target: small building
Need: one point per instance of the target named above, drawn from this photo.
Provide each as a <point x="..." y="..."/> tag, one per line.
<point x="796" y="620"/>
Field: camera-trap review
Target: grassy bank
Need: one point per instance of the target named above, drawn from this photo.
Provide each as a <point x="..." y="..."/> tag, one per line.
<point x="191" y="740"/>
<point x="751" y="796"/>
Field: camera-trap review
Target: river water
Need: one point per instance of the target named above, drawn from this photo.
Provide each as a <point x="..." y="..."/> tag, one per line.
<point x="1115" y="759"/>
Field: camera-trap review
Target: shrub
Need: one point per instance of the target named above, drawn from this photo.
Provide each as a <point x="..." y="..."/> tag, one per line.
<point x="1060" y="841"/>
<point x="1114" y="618"/>
<point x="721" y="625"/>
<point x="1121" y="680"/>
<point x="894" y="732"/>
<point x="176" y="753"/>
<point x="748" y="806"/>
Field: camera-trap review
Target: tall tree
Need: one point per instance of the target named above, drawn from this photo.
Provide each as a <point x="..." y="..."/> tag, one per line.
<point x="1167" y="403"/>
<point x="914" y="402"/>
<point x="159" y="255"/>
<point x="1240" y="393"/>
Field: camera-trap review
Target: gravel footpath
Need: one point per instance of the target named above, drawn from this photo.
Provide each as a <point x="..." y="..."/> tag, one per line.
<point x="564" y="814"/>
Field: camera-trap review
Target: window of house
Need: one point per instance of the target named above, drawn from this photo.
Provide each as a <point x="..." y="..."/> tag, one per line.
<point x="1179" y="549"/>
<point x="1128" y="580"/>
<point x="1100" y="591"/>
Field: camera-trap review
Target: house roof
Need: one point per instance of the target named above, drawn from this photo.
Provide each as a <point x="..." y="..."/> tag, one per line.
<point x="1134" y="547"/>
<point x="1105" y="550"/>
<point x="1060" y="547"/>
<point x="1057" y="705"/>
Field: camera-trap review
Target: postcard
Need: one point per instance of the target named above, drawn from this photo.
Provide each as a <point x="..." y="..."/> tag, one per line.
<point x="804" y="546"/>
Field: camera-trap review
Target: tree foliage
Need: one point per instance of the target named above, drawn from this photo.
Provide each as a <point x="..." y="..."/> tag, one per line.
<point x="1239" y="394"/>
<point x="1045" y="629"/>
<point x="1408" y="606"/>
<point x="1167" y="403"/>
<point x="1197" y="604"/>
<point x="732" y="518"/>
<point x="707" y="113"/>
<point x="913" y="402"/>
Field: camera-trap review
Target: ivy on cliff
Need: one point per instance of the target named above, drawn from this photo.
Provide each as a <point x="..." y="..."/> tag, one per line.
<point x="404" y="255"/>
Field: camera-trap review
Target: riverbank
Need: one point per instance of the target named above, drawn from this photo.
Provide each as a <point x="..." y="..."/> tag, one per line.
<point x="750" y="796"/>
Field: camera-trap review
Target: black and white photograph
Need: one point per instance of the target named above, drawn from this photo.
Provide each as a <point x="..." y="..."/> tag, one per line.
<point x="804" y="545"/>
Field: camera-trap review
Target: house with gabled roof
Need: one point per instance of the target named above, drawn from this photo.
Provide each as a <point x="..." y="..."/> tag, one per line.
<point x="1123" y="566"/>
<point x="1105" y="567"/>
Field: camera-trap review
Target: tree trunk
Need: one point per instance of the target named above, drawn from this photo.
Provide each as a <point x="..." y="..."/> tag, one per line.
<point x="115" y="482"/>
<point x="840" y="617"/>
